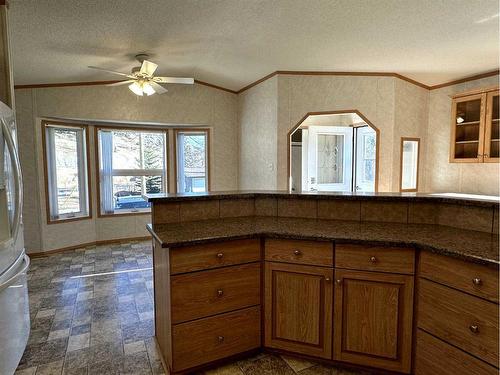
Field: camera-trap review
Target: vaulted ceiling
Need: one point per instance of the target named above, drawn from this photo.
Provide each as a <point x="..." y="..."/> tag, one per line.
<point x="232" y="43"/>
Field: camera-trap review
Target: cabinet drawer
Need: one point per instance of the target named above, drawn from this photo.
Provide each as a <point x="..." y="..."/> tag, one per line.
<point x="434" y="356"/>
<point x="200" y="294"/>
<point x="375" y="258"/>
<point x="465" y="321"/>
<point x="302" y="252"/>
<point x="205" y="340"/>
<point x="213" y="255"/>
<point x="472" y="278"/>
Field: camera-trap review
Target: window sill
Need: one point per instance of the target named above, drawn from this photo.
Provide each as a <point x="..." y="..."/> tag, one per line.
<point x="127" y="213"/>
<point x="68" y="219"/>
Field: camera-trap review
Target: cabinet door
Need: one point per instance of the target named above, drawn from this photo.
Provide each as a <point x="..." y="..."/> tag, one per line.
<point x="492" y="129"/>
<point x="467" y="129"/>
<point x="373" y="319"/>
<point x="298" y="309"/>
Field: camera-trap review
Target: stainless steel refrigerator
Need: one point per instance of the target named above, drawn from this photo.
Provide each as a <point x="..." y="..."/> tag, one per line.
<point x="14" y="263"/>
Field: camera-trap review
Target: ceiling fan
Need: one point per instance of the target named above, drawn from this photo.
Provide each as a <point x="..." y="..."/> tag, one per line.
<point x="142" y="81"/>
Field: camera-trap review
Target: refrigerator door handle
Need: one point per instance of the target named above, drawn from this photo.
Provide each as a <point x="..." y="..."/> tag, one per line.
<point x="18" y="183"/>
<point x="26" y="261"/>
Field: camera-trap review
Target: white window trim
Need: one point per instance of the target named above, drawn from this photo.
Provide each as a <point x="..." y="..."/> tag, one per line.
<point x="180" y="156"/>
<point x="83" y="178"/>
<point x="106" y="204"/>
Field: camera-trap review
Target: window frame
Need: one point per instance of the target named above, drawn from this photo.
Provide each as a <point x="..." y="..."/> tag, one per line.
<point x="415" y="189"/>
<point x="129" y="172"/>
<point x="45" y="125"/>
<point x="207" y="152"/>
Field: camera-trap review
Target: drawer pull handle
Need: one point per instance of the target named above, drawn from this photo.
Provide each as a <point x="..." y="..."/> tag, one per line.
<point x="220" y="255"/>
<point x="474" y="328"/>
<point x="477" y="281"/>
<point x="297" y="252"/>
<point x="220" y="339"/>
<point x="373" y="260"/>
<point x="339" y="281"/>
<point x="220" y="293"/>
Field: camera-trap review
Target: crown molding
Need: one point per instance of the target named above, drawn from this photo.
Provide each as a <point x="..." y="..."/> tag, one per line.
<point x="64" y="84"/>
<point x="281" y="72"/>
<point x="466" y="79"/>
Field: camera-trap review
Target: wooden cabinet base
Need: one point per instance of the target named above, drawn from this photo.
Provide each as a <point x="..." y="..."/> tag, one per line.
<point x="210" y="339"/>
<point x="434" y="356"/>
<point x="298" y="308"/>
<point x="373" y="319"/>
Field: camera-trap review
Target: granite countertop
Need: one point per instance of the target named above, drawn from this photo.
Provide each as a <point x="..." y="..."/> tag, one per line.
<point x="464" y="199"/>
<point x="478" y="247"/>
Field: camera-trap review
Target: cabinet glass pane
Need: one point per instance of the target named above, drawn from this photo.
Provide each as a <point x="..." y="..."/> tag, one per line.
<point x="495" y="129"/>
<point x="467" y="122"/>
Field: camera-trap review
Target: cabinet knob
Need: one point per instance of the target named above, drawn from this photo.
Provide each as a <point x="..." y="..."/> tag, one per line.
<point x="338" y="281"/>
<point x="220" y="293"/>
<point x="373" y="260"/>
<point x="220" y="339"/>
<point x="477" y="281"/>
<point x="327" y="279"/>
<point x="474" y="328"/>
<point x="220" y="255"/>
<point x="297" y="252"/>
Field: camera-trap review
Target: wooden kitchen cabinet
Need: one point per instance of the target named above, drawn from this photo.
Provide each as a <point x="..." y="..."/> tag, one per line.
<point x="492" y="128"/>
<point x="475" y="128"/>
<point x="373" y="319"/>
<point x="298" y="308"/>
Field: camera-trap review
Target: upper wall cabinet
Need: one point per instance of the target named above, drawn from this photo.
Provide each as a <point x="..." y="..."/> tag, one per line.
<point x="492" y="131"/>
<point x="475" y="127"/>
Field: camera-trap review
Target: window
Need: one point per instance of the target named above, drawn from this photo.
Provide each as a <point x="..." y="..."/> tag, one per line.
<point x="66" y="169"/>
<point x="192" y="161"/>
<point x="131" y="163"/>
<point x="409" y="164"/>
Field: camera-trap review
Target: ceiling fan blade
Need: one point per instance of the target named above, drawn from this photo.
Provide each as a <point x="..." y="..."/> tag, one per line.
<point x="188" y="81"/>
<point x="158" y="88"/>
<point x="110" y="71"/>
<point x="121" y="82"/>
<point x="148" y="68"/>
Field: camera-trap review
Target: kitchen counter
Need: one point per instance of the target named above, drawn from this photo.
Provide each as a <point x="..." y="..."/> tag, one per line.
<point x="284" y="270"/>
<point x="473" y="246"/>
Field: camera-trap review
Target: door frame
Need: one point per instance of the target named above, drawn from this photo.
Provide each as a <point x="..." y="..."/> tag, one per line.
<point x="347" y="158"/>
<point x="368" y="122"/>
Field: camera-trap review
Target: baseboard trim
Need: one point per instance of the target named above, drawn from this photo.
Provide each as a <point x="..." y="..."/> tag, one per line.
<point x="82" y="245"/>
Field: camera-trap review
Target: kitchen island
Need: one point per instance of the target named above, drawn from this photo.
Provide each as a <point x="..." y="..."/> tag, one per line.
<point x="350" y="279"/>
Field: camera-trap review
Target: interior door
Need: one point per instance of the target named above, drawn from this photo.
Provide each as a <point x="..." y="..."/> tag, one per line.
<point x="330" y="158"/>
<point x="365" y="166"/>
<point x="298" y="308"/>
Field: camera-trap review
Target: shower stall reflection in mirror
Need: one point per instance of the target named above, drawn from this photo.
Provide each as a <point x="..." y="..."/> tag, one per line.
<point x="334" y="152"/>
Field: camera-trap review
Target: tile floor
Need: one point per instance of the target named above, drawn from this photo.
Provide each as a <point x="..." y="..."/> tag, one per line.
<point x="92" y="313"/>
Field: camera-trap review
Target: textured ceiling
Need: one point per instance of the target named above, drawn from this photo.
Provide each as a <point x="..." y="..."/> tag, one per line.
<point x="232" y="43"/>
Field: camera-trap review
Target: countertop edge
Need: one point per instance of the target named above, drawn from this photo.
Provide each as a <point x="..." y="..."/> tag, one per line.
<point x="384" y="197"/>
<point x="414" y="244"/>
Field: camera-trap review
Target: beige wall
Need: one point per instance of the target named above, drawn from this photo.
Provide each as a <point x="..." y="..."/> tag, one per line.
<point x="258" y="120"/>
<point x="372" y="96"/>
<point x="443" y="176"/>
<point x="249" y="137"/>
<point x="183" y="105"/>
<point x="411" y="108"/>
<point x="396" y="107"/>
<point x="295" y="96"/>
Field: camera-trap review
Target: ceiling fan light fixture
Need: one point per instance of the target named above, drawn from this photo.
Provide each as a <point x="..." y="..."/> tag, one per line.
<point x="148" y="89"/>
<point x="136" y="89"/>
